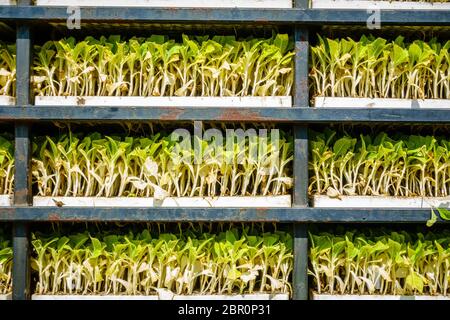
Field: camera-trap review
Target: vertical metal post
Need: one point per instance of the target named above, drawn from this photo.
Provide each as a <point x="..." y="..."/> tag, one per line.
<point x="301" y="90"/>
<point x="21" y="265"/>
<point x="22" y="177"/>
<point x="301" y="100"/>
<point x="300" y="274"/>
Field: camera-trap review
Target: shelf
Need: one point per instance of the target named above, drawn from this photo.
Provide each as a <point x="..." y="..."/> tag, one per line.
<point x="267" y="114"/>
<point x="226" y="15"/>
<point x="281" y="215"/>
<point x="300" y="23"/>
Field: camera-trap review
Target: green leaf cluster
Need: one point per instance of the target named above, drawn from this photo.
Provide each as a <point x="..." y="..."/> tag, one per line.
<point x="158" y="66"/>
<point x="378" y="68"/>
<point x="6" y="163"/>
<point x="142" y="263"/>
<point x="392" y="263"/>
<point x="156" y="165"/>
<point x="382" y="164"/>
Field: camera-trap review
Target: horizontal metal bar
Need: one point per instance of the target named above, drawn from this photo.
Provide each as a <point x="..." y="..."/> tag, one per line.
<point x="227" y="15"/>
<point x="267" y="114"/>
<point x="285" y="215"/>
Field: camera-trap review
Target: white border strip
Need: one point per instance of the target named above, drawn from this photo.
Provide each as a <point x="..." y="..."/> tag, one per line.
<point x="4" y="297"/>
<point x="323" y="201"/>
<point x="382" y="5"/>
<point x="7" y="100"/>
<point x="8" y="2"/>
<point x="171" y="3"/>
<point x="344" y="102"/>
<point x="281" y="296"/>
<point x="316" y="296"/>
<point x="257" y="102"/>
<point x="122" y="202"/>
<point x="6" y="200"/>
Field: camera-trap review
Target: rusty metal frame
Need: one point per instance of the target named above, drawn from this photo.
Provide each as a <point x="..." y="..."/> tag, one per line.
<point x="300" y="215"/>
<point x="158" y="214"/>
<point x="293" y="115"/>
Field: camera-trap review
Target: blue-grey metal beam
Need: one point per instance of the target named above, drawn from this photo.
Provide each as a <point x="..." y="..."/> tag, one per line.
<point x="226" y="15"/>
<point x="267" y="114"/>
<point x="282" y="215"/>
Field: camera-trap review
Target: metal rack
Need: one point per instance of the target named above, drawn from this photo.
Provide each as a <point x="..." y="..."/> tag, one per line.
<point x="300" y="20"/>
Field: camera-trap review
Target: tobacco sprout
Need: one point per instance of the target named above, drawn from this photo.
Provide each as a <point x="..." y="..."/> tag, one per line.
<point x="158" y="66"/>
<point x="6" y="164"/>
<point x="233" y="261"/>
<point x="154" y="165"/>
<point x="7" y="69"/>
<point x="393" y="263"/>
<point x="443" y="213"/>
<point x="6" y="257"/>
<point x="404" y="166"/>
<point x="376" y="68"/>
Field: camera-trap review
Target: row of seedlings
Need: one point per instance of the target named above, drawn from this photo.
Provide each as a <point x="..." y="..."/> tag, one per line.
<point x="360" y="167"/>
<point x="158" y="71"/>
<point x="379" y="264"/>
<point x="162" y="262"/>
<point x="140" y="166"/>
<point x="372" y="72"/>
<point x="375" y="72"/>
<point x="157" y="165"/>
<point x="206" y="261"/>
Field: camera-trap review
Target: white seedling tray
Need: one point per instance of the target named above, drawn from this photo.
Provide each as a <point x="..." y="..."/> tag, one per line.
<point x="164" y="297"/>
<point x="123" y="202"/>
<point x="344" y="102"/>
<point x="4" y="297"/>
<point x="316" y="296"/>
<point x="6" y="200"/>
<point x="7" y="100"/>
<point x="257" y="102"/>
<point x="324" y="201"/>
<point x="171" y="3"/>
<point x="382" y="5"/>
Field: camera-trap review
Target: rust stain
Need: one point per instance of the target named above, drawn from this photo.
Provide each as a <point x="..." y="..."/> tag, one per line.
<point x="81" y="101"/>
<point x="20" y="193"/>
<point x="54" y="217"/>
<point x="303" y="84"/>
<point x="240" y="115"/>
<point x="172" y="114"/>
<point x="261" y="213"/>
